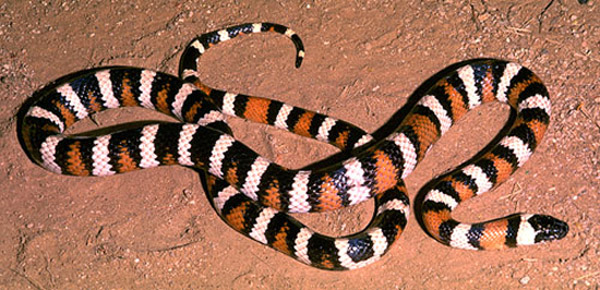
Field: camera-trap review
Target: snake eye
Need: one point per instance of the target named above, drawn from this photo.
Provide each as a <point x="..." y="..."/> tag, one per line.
<point x="548" y="228"/>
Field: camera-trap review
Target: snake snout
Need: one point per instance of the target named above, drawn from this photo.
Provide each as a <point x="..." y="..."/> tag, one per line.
<point x="548" y="228"/>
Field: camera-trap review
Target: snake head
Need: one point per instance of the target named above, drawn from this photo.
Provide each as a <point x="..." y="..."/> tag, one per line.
<point x="548" y="228"/>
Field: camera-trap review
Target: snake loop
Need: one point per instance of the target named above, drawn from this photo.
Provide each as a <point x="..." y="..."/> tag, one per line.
<point x="253" y="194"/>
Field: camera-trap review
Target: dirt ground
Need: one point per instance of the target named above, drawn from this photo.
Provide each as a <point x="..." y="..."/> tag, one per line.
<point x="155" y="228"/>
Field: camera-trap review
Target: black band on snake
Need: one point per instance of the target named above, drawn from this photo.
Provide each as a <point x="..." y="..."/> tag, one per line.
<point x="253" y="194"/>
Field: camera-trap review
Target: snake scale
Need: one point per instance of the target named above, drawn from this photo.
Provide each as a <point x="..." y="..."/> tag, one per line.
<point x="253" y="195"/>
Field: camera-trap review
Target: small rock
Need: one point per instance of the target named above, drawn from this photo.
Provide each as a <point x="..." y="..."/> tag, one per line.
<point x="525" y="280"/>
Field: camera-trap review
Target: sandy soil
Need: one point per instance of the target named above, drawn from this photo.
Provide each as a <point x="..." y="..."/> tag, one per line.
<point x="155" y="228"/>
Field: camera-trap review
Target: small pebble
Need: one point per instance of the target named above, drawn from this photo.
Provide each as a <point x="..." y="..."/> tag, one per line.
<point x="524" y="280"/>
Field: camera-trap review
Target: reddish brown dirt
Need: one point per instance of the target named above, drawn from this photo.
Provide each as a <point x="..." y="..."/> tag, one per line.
<point x="155" y="228"/>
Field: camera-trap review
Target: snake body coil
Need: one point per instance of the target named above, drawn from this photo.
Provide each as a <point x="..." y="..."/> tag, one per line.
<point x="253" y="194"/>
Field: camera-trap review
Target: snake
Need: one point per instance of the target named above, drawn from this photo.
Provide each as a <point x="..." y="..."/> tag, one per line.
<point x="255" y="195"/>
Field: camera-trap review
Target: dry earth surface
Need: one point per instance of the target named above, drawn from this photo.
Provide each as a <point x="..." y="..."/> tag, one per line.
<point x="156" y="229"/>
